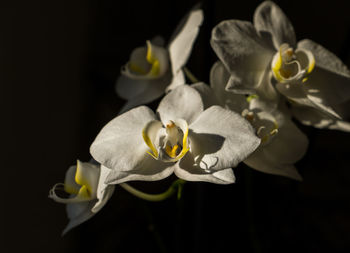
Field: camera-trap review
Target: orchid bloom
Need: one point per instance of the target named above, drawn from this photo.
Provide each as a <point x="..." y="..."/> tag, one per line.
<point x="88" y="193"/>
<point x="282" y="143"/>
<point x="185" y="137"/>
<point x="155" y="69"/>
<point x="264" y="58"/>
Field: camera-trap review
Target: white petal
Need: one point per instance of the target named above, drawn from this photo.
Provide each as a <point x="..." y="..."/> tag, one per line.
<point x="182" y="103"/>
<point x="219" y="77"/>
<point x="150" y="62"/>
<point x="245" y="54"/>
<point x="187" y="169"/>
<point x="177" y="80"/>
<point x="260" y="162"/>
<point x="128" y="88"/>
<point x="324" y="58"/>
<point x="268" y="17"/>
<point x="139" y="92"/>
<point x="207" y="94"/>
<point x="70" y="186"/>
<point x="181" y="45"/>
<point x="327" y="90"/>
<point x="312" y="117"/>
<point x="73" y="198"/>
<point x="88" y="174"/>
<point x="154" y="170"/>
<point x="120" y="146"/>
<point x="222" y="135"/>
<point x="158" y="41"/>
<point x="78" y="213"/>
<point x="104" y="191"/>
<point x="80" y="182"/>
<point x="303" y="94"/>
<point x="288" y="146"/>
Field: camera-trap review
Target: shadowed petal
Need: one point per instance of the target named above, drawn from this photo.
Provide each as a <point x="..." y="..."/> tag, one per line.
<point x="207" y="94"/>
<point x="243" y="51"/>
<point x="219" y="77"/>
<point x="139" y="92"/>
<point x="78" y="213"/>
<point x="288" y="146"/>
<point x="260" y="162"/>
<point x="187" y="169"/>
<point x="312" y="117"/>
<point x="222" y="135"/>
<point x="324" y="58"/>
<point x="104" y="191"/>
<point x="268" y="17"/>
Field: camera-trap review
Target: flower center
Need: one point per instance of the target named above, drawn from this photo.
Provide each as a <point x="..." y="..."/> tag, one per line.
<point x="148" y="62"/>
<point x="80" y="181"/>
<point x="168" y="144"/>
<point x="290" y="65"/>
<point x="264" y="124"/>
<point x="172" y="145"/>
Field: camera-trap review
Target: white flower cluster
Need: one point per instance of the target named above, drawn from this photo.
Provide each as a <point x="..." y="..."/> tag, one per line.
<point x="264" y="78"/>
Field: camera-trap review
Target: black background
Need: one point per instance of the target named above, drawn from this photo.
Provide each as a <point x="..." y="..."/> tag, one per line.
<point x="59" y="61"/>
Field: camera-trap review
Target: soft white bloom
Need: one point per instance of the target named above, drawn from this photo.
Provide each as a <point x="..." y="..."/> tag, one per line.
<point x="88" y="192"/>
<point x="154" y="69"/>
<point x="282" y="143"/>
<point x="264" y="58"/>
<point x="185" y="137"/>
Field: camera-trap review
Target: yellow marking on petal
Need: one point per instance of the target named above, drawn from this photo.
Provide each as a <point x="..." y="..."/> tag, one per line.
<point x="311" y="64"/>
<point x="277" y="66"/>
<point x="251" y="97"/>
<point x="84" y="192"/>
<point x="274" y="131"/>
<point x="185" y="147"/>
<point x="149" y="144"/>
<point x="80" y="178"/>
<point x="137" y="69"/>
<point x="171" y="151"/>
<point x="155" y="69"/>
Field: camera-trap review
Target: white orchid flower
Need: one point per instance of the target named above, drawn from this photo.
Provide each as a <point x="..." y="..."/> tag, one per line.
<point x="88" y="192"/>
<point x="282" y="143"/>
<point x="155" y="69"/>
<point x="185" y="137"/>
<point x="264" y="58"/>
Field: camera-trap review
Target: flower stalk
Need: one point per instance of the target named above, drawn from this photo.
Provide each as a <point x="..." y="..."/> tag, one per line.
<point x="176" y="186"/>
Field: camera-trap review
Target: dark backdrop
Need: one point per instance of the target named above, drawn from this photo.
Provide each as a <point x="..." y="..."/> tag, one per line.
<point x="59" y="61"/>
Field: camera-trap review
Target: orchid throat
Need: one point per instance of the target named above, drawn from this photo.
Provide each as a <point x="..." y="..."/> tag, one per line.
<point x="169" y="143"/>
<point x="289" y="65"/>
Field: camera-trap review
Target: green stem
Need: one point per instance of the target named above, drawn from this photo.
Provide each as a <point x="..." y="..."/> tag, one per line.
<point x="154" y="197"/>
<point x="190" y="76"/>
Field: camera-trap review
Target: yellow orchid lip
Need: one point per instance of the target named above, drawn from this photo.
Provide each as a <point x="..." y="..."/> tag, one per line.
<point x="170" y="147"/>
<point x="288" y="65"/>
